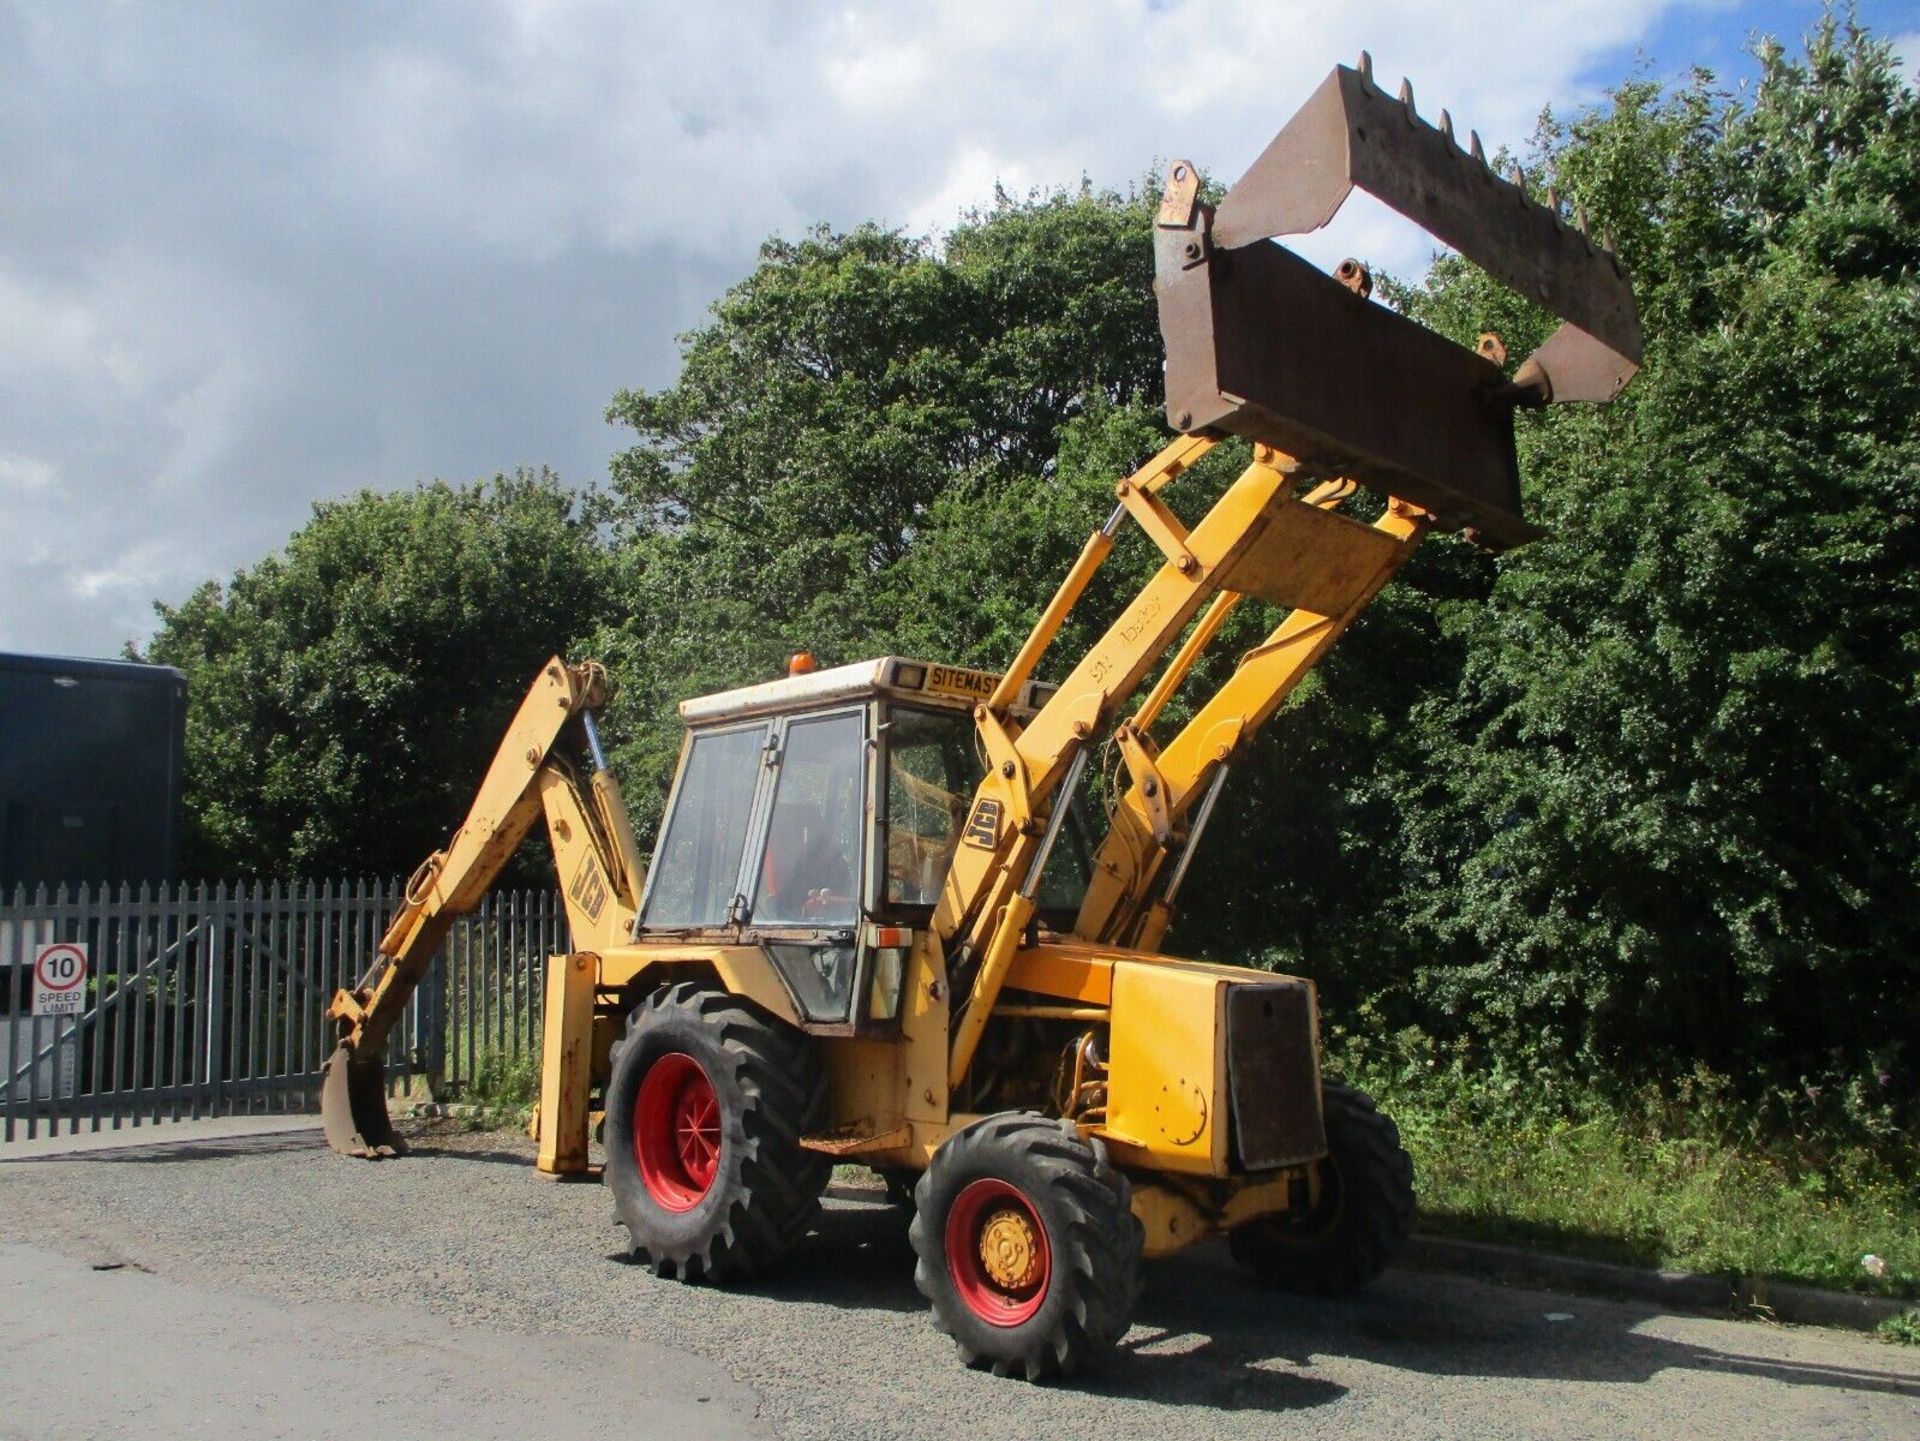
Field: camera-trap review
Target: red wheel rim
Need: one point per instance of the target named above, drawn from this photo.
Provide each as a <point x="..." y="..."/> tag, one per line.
<point x="997" y="1252"/>
<point x="676" y="1131"/>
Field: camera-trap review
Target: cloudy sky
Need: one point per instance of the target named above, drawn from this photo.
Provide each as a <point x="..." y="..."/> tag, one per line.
<point x="256" y="255"/>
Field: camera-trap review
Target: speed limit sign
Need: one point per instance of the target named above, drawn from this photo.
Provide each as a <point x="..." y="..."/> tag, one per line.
<point x="59" y="978"/>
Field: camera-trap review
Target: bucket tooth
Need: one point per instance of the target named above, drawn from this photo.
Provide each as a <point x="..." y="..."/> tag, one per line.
<point x="353" y="1108"/>
<point x="1346" y="138"/>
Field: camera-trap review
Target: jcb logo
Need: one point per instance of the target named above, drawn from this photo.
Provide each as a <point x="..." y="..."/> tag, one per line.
<point x="589" y="889"/>
<point x="983" y="826"/>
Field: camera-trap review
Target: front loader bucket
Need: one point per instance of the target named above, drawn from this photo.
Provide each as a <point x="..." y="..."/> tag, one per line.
<point x="1261" y="344"/>
<point x="353" y="1108"/>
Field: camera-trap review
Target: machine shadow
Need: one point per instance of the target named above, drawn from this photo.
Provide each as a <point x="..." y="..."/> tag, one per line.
<point x="491" y="1156"/>
<point x="1440" y="1325"/>
<point x="857" y="1257"/>
<point x="1205" y="1335"/>
<point x="1218" y="1373"/>
<point x="166" y="1152"/>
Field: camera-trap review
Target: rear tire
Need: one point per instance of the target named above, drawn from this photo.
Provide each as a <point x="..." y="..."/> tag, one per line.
<point x="1363" y="1215"/>
<point x="705" y="1109"/>
<point x="1027" y="1246"/>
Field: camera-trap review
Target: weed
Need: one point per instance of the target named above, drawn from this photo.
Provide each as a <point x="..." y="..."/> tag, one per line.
<point x="504" y="1087"/>
<point x="1902" y="1330"/>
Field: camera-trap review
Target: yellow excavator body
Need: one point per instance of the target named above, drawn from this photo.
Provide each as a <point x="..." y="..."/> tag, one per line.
<point x="882" y="922"/>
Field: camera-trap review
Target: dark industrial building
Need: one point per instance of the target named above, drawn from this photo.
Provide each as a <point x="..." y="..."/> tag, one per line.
<point x="91" y="760"/>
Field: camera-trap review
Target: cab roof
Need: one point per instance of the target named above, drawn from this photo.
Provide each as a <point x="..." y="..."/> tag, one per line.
<point x="921" y="682"/>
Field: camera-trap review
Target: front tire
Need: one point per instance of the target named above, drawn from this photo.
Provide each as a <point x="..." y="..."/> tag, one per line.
<point x="705" y="1109"/>
<point x="1363" y="1215"/>
<point x="1027" y="1246"/>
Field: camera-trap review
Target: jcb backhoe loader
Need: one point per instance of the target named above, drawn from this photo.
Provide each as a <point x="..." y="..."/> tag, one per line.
<point x="880" y="925"/>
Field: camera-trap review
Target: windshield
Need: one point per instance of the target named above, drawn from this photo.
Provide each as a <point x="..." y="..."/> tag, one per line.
<point x="932" y="772"/>
<point x="809" y="874"/>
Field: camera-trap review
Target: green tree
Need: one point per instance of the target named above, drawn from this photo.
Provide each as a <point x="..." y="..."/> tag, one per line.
<point x="855" y="395"/>
<point x="346" y="695"/>
<point x="1668" y="811"/>
<point x="1630" y="797"/>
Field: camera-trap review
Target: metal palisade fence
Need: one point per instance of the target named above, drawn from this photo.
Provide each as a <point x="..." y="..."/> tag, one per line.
<point x="205" y="1000"/>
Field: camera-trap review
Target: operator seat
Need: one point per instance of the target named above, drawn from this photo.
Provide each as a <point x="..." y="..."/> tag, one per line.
<point x="802" y="859"/>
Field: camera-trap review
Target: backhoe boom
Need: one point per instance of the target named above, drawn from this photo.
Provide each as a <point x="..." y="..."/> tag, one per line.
<point x="593" y="845"/>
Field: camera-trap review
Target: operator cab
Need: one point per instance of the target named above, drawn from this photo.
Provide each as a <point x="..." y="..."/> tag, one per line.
<point x="816" y="815"/>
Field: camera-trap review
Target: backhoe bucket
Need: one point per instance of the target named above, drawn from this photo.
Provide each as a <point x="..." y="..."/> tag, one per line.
<point x="1260" y="343"/>
<point x="353" y="1108"/>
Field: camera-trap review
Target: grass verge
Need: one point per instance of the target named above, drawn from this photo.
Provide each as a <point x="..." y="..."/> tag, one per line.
<point x="1681" y="1177"/>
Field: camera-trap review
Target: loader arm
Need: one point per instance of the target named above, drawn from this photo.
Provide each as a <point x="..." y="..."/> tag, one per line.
<point x="593" y="848"/>
<point x="1165" y="808"/>
<point x="1336" y="393"/>
<point x="1263" y="537"/>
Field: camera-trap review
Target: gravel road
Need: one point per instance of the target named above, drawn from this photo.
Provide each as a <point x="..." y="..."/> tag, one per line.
<point x="462" y="1243"/>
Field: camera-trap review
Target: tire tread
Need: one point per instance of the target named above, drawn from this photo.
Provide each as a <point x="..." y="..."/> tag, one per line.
<point x="1378" y="1179"/>
<point x="1098" y="1256"/>
<point x="779" y="1180"/>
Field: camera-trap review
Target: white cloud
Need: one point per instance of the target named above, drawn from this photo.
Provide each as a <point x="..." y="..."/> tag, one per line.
<point x="1907" y="47"/>
<point x="258" y="256"/>
<point x="136" y="569"/>
<point x="23" y="475"/>
<point x="970" y="181"/>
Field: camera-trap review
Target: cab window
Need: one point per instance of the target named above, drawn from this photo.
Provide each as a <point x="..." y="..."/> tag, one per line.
<point x="811" y="873"/>
<point x="932" y="772"/>
<point x="697" y="871"/>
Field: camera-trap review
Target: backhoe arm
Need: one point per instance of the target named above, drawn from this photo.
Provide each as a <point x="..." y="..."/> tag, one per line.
<point x="593" y="847"/>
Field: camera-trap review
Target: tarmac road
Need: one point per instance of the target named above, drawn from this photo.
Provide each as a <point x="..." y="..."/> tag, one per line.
<point x="269" y="1288"/>
<point x="125" y="1353"/>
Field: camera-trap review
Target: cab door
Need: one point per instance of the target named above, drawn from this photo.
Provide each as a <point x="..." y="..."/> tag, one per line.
<point x="804" y="884"/>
